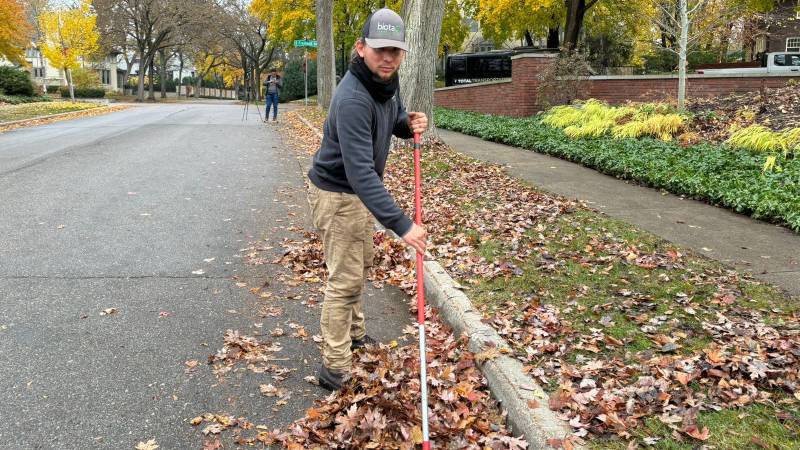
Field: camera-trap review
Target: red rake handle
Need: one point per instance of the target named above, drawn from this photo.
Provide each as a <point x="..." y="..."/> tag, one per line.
<point x="418" y="221"/>
<point x="426" y="444"/>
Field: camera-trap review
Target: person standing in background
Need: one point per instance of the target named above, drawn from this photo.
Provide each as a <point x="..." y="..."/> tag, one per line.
<point x="272" y="88"/>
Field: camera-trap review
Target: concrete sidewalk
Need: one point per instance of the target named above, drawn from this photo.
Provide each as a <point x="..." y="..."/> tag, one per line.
<point x="769" y="252"/>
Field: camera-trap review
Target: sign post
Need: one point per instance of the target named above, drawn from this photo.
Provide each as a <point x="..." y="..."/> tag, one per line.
<point x="305" y="43"/>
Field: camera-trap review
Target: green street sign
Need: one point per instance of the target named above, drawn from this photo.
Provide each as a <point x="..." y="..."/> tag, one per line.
<point x="305" y="43"/>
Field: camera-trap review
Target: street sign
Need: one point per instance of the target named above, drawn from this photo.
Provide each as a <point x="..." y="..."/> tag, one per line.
<point x="305" y="43"/>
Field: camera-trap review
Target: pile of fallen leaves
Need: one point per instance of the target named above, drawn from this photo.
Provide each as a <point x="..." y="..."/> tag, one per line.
<point x="254" y="355"/>
<point x="379" y="407"/>
<point x="777" y="109"/>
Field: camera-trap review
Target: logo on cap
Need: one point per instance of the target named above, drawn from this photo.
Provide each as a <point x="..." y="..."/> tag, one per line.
<point x="387" y="27"/>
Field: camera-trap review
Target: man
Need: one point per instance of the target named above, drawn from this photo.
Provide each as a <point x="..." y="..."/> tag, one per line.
<point x="346" y="184"/>
<point x="272" y="87"/>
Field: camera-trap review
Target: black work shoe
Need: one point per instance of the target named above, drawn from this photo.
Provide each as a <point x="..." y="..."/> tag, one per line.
<point x="360" y="343"/>
<point x="330" y="379"/>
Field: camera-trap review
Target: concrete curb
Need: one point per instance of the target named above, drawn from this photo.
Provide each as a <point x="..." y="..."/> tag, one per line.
<point x="507" y="382"/>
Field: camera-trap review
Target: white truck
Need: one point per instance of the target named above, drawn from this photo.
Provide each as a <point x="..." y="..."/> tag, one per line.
<point x="777" y="63"/>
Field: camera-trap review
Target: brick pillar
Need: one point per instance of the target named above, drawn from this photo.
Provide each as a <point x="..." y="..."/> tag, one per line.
<point x="525" y="70"/>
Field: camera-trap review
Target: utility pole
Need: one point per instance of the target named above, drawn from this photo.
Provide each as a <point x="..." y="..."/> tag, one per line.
<point x="305" y="72"/>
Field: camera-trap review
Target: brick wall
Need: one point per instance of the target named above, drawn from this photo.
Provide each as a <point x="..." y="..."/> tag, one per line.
<point x="617" y="90"/>
<point x="518" y="97"/>
<point x="509" y="98"/>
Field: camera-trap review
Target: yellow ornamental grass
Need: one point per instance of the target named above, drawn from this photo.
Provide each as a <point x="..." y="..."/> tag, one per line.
<point x="595" y="127"/>
<point x="792" y="140"/>
<point x="663" y="126"/>
<point x="595" y="118"/>
<point x="596" y="108"/>
<point x="770" y="164"/>
<point x="759" y="138"/>
<point x="632" y="129"/>
<point x="562" y="116"/>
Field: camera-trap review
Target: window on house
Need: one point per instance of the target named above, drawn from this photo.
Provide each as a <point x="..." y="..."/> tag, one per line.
<point x="793" y="44"/>
<point x="105" y="76"/>
<point x="38" y="72"/>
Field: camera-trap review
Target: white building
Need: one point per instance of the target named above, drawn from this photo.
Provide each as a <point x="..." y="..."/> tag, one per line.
<point x="43" y="74"/>
<point x="111" y="70"/>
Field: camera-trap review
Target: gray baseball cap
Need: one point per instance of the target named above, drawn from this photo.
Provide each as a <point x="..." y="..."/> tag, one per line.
<point x="385" y="28"/>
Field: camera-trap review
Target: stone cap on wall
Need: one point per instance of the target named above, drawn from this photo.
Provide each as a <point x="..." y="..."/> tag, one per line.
<point x="535" y="55"/>
<point x="483" y="83"/>
<point x="693" y="75"/>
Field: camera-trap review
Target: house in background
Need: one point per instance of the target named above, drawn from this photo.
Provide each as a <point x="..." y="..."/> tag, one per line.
<point x="777" y="31"/>
<point x="475" y="42"/>
<point x="49" y="78"/>
<point x="784" y="31"/>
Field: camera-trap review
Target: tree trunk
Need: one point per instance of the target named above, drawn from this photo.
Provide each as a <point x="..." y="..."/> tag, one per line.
<point x="343" y="62"/>
<point x="326" y="69"/>
<point x="724" y="44"/>
<point x="423" y="20"/>
<point x="151" y="95"/>
<point x="163" y="55"/>
<point x="553" y="38"/>
<point x="575" y="12"/>
<point x="142" y="72"/>
<point x="68" y="74"/>
<point x="682" y="49"/>
<point x="528" y="38"/>
<point x="180" y="73"/>
<point x="127" y="74"/>
<point x="257" y="83"/>
<point x="197" y="86"/>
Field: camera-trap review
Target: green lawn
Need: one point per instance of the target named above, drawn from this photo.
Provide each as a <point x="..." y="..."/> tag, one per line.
<point x="10" y="113"/>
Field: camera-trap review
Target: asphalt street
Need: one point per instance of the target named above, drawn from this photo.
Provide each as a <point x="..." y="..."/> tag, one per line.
<point x="151" y="211"/>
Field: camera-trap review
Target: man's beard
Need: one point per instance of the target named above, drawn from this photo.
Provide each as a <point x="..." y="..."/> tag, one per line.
<point x="383" y="77"/>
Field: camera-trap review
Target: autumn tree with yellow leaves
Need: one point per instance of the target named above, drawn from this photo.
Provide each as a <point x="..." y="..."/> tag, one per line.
<point x="68" y="38"/>
<point x="15" y="31"/>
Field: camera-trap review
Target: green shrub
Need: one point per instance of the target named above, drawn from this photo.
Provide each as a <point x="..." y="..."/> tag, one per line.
<point x="293" y="84"/>
<point x="718" y="174"/>
<point x="14" y="81"/>
<point x="83" y="92"/>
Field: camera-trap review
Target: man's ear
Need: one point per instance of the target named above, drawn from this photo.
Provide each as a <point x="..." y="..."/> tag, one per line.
<point x="360" y="47"/>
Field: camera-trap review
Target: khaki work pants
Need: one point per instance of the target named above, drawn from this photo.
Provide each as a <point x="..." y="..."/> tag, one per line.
<point x="346" y="227"/>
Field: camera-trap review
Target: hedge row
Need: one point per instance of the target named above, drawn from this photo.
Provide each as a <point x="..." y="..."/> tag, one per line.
<point x="19" y="99"/>
<point x="717" y="174"/>
<point x="83" y="92"/>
